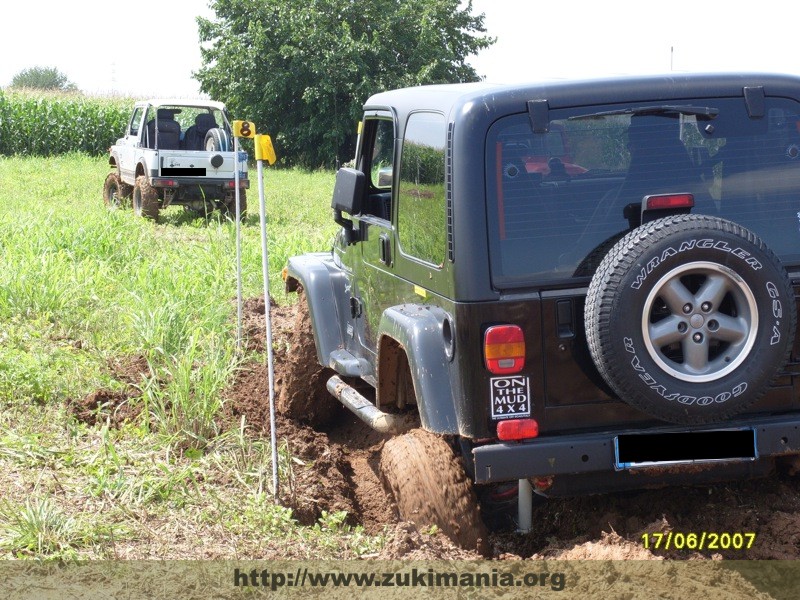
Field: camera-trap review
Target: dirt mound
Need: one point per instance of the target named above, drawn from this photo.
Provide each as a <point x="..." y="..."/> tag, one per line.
<point x="304" y="397"/>
<point x="340" y="471"/>
<point x="407" y="543"/>
<point x="103" y="406"/>
<point x="113" y="406"/>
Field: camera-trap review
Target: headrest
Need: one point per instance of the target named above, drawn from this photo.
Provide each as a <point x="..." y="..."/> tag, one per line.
<point x="205" y="121"/>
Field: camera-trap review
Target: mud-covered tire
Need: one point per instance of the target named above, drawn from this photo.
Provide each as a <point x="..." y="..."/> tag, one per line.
<point x="145" y="199"/>
<point x="429" y="487"/>
<point x="304" y="396"/>
<point x="113" y="196"/>
<point x="125" y="191"/>
<point x="217" y="140"/>
<point x="689" y="318"/>
<point x="229" y="204"/>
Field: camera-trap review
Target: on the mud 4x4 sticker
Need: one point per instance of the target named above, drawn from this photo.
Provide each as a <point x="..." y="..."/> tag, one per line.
<point x="511" y="397"/>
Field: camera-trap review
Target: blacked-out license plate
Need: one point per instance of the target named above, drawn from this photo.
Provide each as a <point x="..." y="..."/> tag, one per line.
<point x="654" y="449"/>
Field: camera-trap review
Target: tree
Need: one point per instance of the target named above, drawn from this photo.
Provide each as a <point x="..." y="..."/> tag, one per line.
<point x="43" y="78"/>
<point x="302" y="70"/>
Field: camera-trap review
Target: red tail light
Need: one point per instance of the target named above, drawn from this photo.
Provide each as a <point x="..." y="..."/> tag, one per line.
<point x="517" y="429"/>
<point x="504" y="349"/>
<point x="243" y="183"/>
<point x="670" y="201"/>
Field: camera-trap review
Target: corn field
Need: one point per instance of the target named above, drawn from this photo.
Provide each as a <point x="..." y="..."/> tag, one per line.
<point x="47" y="124"/>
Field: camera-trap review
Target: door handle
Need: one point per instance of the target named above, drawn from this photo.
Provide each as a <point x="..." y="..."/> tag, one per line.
<point x="385" y="249"/>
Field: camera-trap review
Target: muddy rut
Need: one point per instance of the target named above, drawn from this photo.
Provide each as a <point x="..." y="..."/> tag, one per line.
<point x="342" y="472"/>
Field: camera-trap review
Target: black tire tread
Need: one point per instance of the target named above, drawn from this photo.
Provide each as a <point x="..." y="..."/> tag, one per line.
<point x="602" y="297"/>
<point x="148" y="196"/>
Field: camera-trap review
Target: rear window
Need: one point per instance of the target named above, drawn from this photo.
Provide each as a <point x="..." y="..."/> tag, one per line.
<point x="558" y="200"/>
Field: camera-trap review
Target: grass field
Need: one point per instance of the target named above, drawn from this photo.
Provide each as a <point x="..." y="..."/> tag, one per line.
<point x="82" y="287"/>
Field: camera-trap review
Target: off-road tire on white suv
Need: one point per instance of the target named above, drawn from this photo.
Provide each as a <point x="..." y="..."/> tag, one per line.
<point x="229" y="204"/>
<point x="145" y="199"/>
<point x="217" y="140"/>
<point x="113" y="195"/>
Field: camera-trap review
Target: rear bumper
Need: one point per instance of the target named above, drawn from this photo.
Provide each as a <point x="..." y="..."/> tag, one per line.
<point x="595" y="452"/>
<point x="175" y="182"/>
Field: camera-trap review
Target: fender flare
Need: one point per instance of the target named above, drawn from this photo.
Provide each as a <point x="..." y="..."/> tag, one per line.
<point x="321" y="280"/>
<point x="113" y="162"/>
<point x="425" y="334"/>
<point x="141" y="169"/>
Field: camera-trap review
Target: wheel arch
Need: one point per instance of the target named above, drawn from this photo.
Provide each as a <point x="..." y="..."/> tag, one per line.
<point x="413" y="335"/>
<point x="323" y="283"/>
<point x="141" y="169"/>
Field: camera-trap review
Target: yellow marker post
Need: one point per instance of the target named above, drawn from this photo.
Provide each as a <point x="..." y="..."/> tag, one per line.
<point x="265" y="152"/>
<point x="246" y="129"/>
<point x="264" y="149"/>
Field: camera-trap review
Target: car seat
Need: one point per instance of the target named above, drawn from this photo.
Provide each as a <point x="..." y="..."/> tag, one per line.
<point x="196" y="134"/>
<point x="169" y="131"/>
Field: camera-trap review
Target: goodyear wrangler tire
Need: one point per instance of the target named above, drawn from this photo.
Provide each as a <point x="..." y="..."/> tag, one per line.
<point x="429" y="487"/>
<point x="689" y="318"/>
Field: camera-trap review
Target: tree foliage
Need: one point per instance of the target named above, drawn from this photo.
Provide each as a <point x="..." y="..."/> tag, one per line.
<point x="43" y="78"/>
<point x="302" y="70"/>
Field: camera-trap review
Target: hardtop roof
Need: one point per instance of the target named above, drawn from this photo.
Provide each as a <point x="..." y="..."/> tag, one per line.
<point x="563" y="93"/>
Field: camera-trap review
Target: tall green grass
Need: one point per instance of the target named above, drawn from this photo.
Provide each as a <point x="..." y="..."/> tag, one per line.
<point x="80" y="286"/>
<point x="47" y="124"/>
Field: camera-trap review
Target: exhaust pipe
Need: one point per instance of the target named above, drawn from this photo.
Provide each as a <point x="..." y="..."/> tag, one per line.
<point x="365" y="410"/>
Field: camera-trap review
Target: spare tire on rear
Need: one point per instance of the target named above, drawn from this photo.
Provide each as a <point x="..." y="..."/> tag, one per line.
<point x="217" y="140"/>
<point x="689" y="318"/>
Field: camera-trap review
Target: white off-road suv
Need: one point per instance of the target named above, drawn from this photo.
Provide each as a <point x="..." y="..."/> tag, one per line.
<point x="176" y="152"/>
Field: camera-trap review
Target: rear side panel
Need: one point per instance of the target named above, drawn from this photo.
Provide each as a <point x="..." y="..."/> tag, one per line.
<point x="565" y="390"/>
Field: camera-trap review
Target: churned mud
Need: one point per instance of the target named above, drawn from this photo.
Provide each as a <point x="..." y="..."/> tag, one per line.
<point x="337" y="467"/>
<point x="342" y="472"/>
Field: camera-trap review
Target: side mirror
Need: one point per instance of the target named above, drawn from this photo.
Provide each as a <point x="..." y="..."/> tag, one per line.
<point x="348" y="194"/>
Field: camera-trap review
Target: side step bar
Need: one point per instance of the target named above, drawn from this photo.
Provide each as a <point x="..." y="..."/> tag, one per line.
<point x="366" y="410"/>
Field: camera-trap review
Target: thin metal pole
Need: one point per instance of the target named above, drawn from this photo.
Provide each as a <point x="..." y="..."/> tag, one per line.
<point x="238" y="246"/>
<point x="525" y="506"/>
<point x="268" y="325"/>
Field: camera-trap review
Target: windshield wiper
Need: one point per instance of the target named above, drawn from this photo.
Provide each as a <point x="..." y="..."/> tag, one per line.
<point x="703" y="112"/>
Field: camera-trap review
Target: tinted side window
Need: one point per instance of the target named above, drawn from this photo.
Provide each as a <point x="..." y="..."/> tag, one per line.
<point x="382" y="161"/>
<point x="136" y="120"/>
<point x="377" y="160"/>
<point x="422" y="223"/>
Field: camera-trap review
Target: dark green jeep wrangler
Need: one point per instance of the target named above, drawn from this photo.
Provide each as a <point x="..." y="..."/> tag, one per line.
<point x="564" y="288"/>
